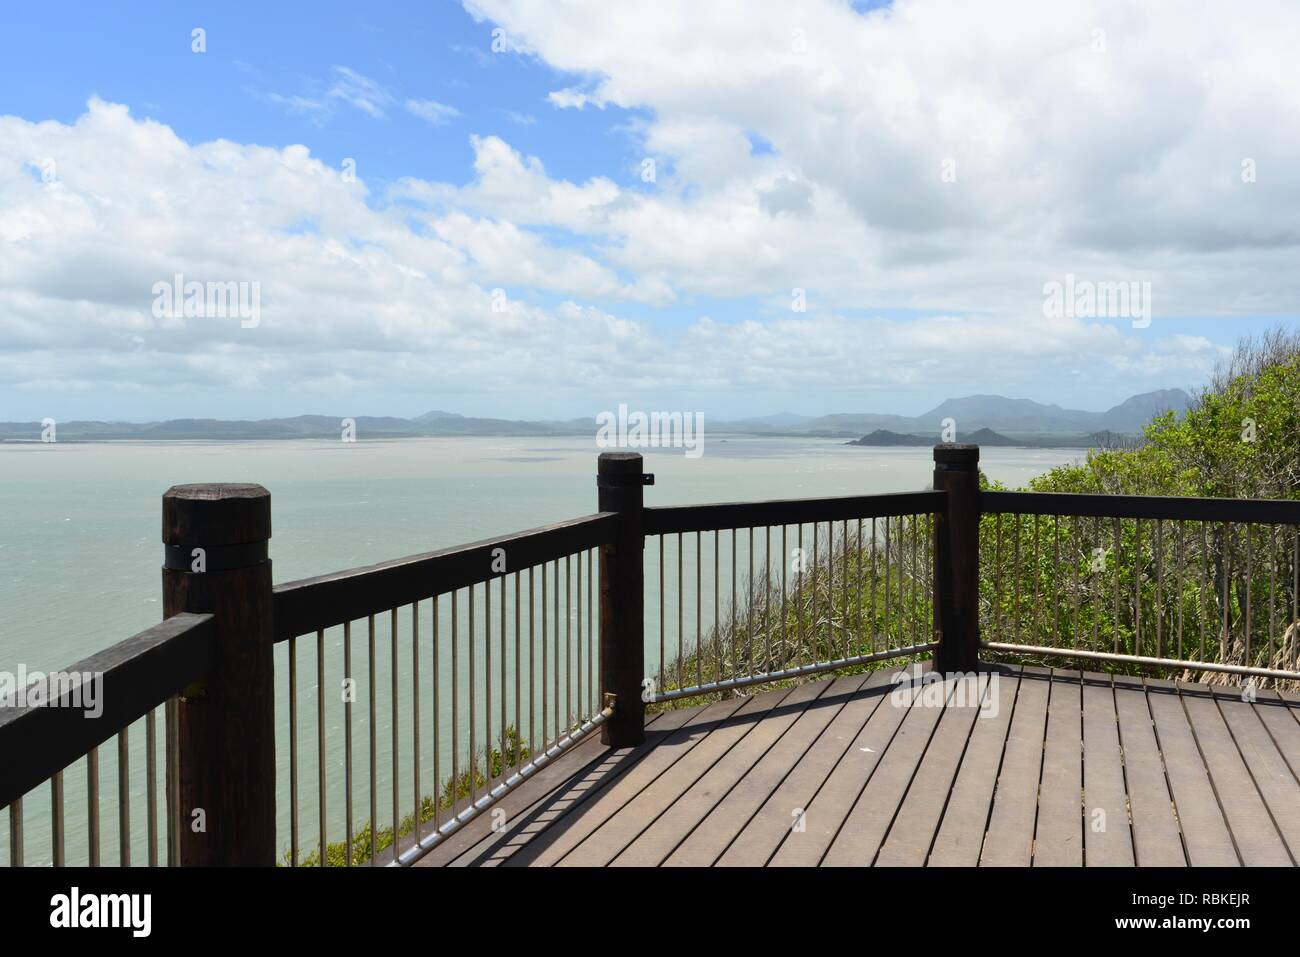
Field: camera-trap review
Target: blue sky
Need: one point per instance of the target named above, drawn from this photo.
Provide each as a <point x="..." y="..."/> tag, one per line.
<point x="521" y="170"/>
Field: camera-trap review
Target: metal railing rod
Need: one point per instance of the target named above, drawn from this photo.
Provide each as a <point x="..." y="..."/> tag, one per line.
<point x="1143" y="660"/>
<point x="796" y="672"/>
<point x="565" y="743"/>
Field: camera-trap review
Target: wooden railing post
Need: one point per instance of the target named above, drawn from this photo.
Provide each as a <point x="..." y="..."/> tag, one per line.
<point x="956" y="558"/>
<point x="620" y="481"/>
<point x="215" y="560"/>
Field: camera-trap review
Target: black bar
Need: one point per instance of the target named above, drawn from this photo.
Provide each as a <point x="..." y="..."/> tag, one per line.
<point x="956" y="559"/>
<point x="622" y="600"/>
<point x="793" y="511"/>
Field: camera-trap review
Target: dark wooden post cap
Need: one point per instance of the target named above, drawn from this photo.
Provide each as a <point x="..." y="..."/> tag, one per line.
<point x="215" y="514"/>
<point x="619" y="463"/>
<point x="955" y="456"/>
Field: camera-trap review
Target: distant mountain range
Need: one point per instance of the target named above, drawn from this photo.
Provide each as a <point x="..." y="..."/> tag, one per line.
<point x="1018" y="418"/>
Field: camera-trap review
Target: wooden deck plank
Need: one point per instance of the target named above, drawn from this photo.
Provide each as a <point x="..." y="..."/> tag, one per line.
<point x="546" y="798"/>
<point x="623" y="827"/>
<point x="961" y="832"/>
<point x="662" y="837"/>
<point x="562" y="836"/>
<point x="912" y="833"/>
<point x="864" y="829"/>
<point x="762" y="835"/>
<point x="826" y="812"/>
<point x="1107" y="833"/>
<point x="704" y="845"/>
<point x="1058" y="833"/>
<point x="1157" y="841"/>
<point x="1283" y="727"/>
<point x="1205" y="832"/>
<point x="1010" y="837"/>
<point x="1273" y="778"/>
<point x="1257" y="838"/>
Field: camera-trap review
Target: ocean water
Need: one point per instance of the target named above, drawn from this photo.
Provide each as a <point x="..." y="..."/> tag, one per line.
<point x="80" y="552"/>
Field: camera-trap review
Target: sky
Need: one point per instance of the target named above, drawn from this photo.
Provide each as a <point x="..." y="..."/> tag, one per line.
<point x="534" y="210"/>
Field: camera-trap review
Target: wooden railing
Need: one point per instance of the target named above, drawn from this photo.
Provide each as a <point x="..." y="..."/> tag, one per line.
<point x="950" y="572"/>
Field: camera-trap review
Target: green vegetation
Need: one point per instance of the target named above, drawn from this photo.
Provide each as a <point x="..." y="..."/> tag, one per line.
<point x="1174" y="589"/>
<point x="493" y="761"/>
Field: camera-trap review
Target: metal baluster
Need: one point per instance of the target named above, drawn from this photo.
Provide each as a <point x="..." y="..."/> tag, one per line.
<point x="785" y="621"/>
<point x="487" y="684"/>
<point x="997" y="576"/>
<point x="1117" y="554"/>
<point x="681" y="681"/>
<point x="473" y="750"/>
<point x="504" y="686"/>
<point x="1250" y="581"/>
<point x="568" y="643"/>
<point x="889" y="637"/>
<point x="1205" y="581"/>
<point x="1160" y="589"/>
<point x="532" y="665"/>
<point x="717" y="606"/>
<point x="767" y="593"/>
<point x="699" y="612"/>
<point x="16" y="832"/>
<point x="1224" y="640"/>
<point x="293" y="755"/>
<point x="816" y="568"/>
<point x="415" y="721"/>
<point x="545" y="657"/>
<point x="1033" y="624"/>
<point x="844" y="585"/>
<point x="798" y="594"/>
<point x="1137" y="586"/>
<point x="320" y="737"/>
<point x="92" y="804"/>
<point x="1178" y="562"/>
<point x="374" y="747"/>
<point x="124" y="797"/>
<point x="347" y="739"/>
<point x="150" y="791"/>
<point x="735" y="621"/>
<point x="455" y="706"/>
<point x="1056" y="591"/>
<point x="172" y="792"/>
<point x="591" y="641"/>
<point x="662" y="653"/>
<point x="578" y="631"/>
<point x="857" y="596"/>
<point x="875" y="607"/>
<point x="559" y="728"/>
<point x="59" y="831"/>
<point x="519" y="668"/>
<point x="437" y="712"/>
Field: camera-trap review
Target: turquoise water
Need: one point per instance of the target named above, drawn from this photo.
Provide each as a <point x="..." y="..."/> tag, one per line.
<point x="80" y="552"/>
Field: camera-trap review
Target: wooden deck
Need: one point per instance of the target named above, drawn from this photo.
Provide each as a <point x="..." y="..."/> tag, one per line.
<point x="1048" y="768"/>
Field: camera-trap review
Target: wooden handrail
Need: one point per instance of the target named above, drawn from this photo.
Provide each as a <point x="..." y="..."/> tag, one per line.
<point x="133" y="677"/>
<point x="305" y="606"/>
<point x="724" y="515"/>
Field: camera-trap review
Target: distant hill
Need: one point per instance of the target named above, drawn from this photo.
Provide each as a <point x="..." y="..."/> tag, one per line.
<point x="1023" y="419"/>
<point x="883" y="437"/>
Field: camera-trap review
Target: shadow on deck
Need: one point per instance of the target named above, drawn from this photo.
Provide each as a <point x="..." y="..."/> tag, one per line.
<point x="1042" y="767"/>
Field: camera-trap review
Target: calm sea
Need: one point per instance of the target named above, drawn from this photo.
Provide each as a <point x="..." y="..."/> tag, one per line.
<point x="80" y="546"/>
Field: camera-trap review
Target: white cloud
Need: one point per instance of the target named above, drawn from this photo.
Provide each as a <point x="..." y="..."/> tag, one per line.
<point x="432" y="111"/>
